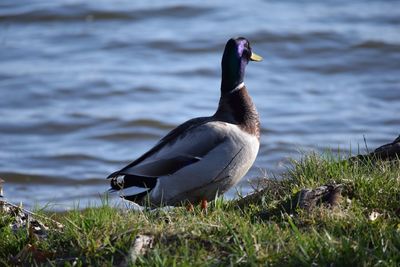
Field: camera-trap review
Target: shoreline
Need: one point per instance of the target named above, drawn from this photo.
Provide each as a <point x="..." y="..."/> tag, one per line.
<point x="325" y="211"/>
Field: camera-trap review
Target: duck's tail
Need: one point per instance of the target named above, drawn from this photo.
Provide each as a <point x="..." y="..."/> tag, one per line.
<point x="131" y="187"/>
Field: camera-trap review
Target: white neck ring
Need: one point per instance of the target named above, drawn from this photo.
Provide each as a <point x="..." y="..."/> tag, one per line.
<point x="237" y="88"/>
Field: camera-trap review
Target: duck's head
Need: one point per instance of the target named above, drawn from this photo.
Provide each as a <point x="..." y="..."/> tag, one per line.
<point x="237" y="55"/>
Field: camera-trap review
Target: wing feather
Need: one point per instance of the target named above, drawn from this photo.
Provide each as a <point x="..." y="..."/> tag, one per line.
<point x="184" y="146"/>
<point x="170" y="138"/>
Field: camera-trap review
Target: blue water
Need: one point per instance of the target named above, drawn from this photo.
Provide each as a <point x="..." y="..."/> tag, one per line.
<point x="88" y="86"/>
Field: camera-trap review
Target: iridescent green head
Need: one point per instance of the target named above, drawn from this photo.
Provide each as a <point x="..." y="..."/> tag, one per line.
<point x="237" y="55"/>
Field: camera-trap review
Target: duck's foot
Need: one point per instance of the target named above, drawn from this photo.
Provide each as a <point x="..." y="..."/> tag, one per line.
<point x="204" y="205"/>
<point x="189" y="207"/>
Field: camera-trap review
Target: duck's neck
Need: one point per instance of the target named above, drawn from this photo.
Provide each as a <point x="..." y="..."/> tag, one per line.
<point x="237" y="107"/>
<point x="232" y="76"/>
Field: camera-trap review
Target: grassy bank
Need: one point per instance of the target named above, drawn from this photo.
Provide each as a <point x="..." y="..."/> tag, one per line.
<point x="363" y="229"/>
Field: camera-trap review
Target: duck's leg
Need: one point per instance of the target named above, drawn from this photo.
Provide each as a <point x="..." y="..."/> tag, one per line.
<point x="189" y="207"/>
<point x="204" y="205"/>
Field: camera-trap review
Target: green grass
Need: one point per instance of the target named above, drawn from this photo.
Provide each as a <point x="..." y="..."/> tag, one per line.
<point x="233" y="233"/>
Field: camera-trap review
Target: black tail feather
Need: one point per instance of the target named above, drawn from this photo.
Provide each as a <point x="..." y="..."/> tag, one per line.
<point x="113" y="175"/>
<point x="133" y="180"/>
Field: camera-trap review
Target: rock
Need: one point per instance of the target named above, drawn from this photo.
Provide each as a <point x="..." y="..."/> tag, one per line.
<point x="374" y="215"/>
<point x="139" y="247"/>
<point x="24" y="219"/>
<point x="390" y="151"/>
<point x="309" y="198"/>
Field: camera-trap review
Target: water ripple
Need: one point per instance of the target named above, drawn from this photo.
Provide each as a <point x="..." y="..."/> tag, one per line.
<point x="26" y="178"/>
<point x="82" y="12"/>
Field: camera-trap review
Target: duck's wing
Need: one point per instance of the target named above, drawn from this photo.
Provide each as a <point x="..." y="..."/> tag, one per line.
<point x="185" y="145"/>
<point x="168" y="140"/>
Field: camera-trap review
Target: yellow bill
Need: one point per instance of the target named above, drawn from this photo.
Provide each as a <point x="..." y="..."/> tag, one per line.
<point x="255" y="57"/>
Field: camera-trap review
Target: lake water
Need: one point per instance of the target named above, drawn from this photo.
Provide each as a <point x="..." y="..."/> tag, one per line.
<point x="88" y="86"/>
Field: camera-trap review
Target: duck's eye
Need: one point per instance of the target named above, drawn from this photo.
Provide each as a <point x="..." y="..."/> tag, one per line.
<point x="246" y="53"/>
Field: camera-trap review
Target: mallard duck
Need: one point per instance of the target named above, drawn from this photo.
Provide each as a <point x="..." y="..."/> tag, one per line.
<point x="204" y="156"/>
